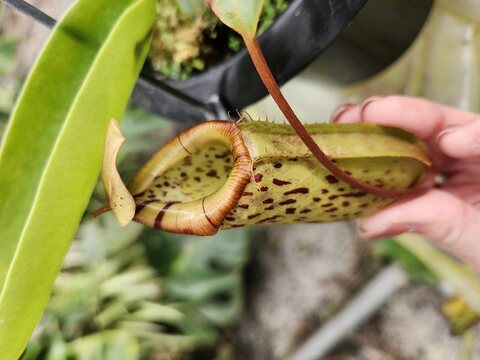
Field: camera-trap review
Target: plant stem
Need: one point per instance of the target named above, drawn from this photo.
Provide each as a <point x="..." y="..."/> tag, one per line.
<point x="101" y="211"/>
<point x="270" y="83"/>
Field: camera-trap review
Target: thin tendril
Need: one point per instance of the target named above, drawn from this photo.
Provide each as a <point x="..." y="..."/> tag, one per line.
<point x="270" y="83"/>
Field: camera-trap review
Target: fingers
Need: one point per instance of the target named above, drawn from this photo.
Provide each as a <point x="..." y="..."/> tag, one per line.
<point x="421" y="117"/>
<point x="469" y="193"/>
<point x="461" y="141"/>
<point x="449" y="221"/>
<point x="454" y="225"/>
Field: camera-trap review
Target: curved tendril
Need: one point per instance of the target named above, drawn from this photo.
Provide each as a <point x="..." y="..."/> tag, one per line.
<point x="270" y="83"/>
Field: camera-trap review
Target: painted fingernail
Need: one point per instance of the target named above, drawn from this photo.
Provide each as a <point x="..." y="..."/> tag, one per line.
<point x="371" y="233"/>
<point x="339" y="111"/>
<point x="366" y="103"/>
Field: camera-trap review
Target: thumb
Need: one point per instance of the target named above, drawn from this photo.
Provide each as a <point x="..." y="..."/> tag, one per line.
<point x="446" y="220"/>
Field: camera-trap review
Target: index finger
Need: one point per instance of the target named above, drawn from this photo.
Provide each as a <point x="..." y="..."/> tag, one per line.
<point x="421" y="117"/>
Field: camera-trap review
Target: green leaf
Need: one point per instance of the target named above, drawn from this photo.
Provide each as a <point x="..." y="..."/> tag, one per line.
<point x="463" y="279"/>
<point x="389" y="248"/>
<point x="52" y="151"/>
<point x="241" y="15"/>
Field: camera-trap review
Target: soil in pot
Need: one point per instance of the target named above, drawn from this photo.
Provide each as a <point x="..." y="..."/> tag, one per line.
<point x="188" y="38"/>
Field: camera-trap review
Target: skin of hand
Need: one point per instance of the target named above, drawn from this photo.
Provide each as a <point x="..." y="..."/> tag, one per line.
<point x="448" y="215"/>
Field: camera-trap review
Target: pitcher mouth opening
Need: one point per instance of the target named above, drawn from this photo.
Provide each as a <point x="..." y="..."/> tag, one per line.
<point x="194" y="181"/>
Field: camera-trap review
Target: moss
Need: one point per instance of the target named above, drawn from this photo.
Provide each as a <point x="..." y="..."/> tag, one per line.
<point x="188" y="38"/>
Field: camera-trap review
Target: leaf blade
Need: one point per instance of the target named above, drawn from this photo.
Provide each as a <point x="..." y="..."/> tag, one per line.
<point x="52" y="150"/>
<point x="462" y="278"/>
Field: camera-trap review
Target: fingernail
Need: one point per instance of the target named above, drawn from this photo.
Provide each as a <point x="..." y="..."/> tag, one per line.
<point x="447" y="130"/>
<point x="339" y="111"/>
<point x="366" y="103"/>
<point x="468" y="133"/>
<point x="375" y="232"/>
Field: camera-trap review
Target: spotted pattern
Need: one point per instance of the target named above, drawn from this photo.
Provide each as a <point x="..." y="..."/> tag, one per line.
<point x="195" y="177"/>
<point x="304" y="191"/>
<point x="280" y="191"/>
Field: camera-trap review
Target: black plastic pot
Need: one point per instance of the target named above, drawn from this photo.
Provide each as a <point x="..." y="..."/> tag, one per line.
<point x="381" y="33"/>
<point x="297" y="38"/>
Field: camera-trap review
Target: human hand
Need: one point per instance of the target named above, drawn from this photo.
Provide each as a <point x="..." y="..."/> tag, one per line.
<point x="450" y="214"/>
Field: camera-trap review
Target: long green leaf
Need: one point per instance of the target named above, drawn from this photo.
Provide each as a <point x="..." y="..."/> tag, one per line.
<point x="52" y="150"/>
<point x="463" y="279"/>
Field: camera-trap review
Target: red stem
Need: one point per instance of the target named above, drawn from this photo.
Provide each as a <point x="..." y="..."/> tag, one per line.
<point x="101" y="211"/>
<point x="269" y="81"/>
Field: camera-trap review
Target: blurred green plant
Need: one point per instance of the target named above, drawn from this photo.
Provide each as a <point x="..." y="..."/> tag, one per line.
<point x="131" y="293"/>
<point x="8" y="84"/>
<point x="426" y="263"/>
<point x="188" y="38"/>
<point x="109" y="297"/>
<point x="204" y="271"/>
<point x="8" y="46"/>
